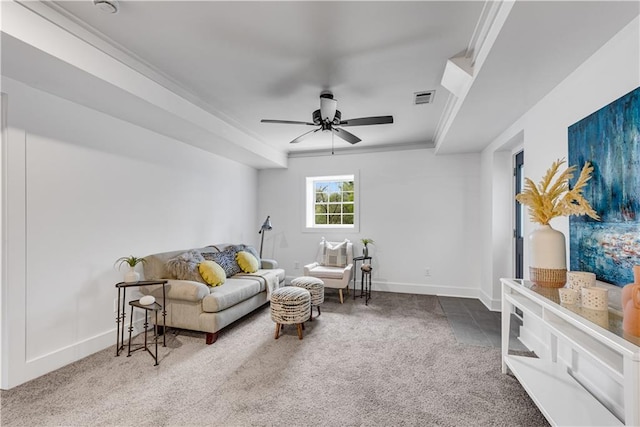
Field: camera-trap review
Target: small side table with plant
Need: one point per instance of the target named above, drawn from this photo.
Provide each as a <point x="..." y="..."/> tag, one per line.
<point x="131" y="279"/>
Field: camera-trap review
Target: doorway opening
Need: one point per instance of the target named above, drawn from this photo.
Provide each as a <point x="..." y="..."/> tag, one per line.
<point x="518" y="172"/>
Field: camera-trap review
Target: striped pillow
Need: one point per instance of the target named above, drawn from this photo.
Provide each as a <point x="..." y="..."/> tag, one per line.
<point x="226" y="259"/>
<point x="335" y="255"/>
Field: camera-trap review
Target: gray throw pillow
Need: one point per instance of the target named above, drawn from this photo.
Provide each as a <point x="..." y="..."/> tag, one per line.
<point x="185" y="266"/>
<point x="249" y="249"/>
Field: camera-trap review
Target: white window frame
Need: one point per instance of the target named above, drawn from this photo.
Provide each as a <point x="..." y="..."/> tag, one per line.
<point x="309" y="208"/>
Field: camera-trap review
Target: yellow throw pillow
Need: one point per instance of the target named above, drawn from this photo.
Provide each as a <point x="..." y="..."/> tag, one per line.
<point x="212" y="273"/>
<point x="247" y="262"/>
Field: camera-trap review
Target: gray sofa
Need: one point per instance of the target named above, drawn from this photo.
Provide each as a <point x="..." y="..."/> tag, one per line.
<point x="196" y="306"/>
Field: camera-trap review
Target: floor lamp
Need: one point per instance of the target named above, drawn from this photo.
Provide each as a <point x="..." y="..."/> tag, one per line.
<point x="266" y="226"/>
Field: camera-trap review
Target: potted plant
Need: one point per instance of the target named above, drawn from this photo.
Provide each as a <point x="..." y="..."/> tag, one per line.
<point x="130" y="276"/>
<point x="547" y="200"/>
<point x="365" y="250"/>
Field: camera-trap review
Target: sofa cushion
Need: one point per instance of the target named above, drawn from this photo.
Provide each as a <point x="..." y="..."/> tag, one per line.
<point x="212" y="273"/>
<point x="232" y="292"/>
<point x="226" y="259"/>
<point x="183" y="290"/>
<point x="185" y="266"/>
<point x="247" y="262"/>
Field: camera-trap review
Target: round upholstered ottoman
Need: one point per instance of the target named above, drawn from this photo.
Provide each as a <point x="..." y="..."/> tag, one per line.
<point x="290" y="306"/>
<point x="315" y="287"/>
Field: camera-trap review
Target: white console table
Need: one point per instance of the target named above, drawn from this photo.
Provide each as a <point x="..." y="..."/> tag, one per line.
<point x="559" y="383"/>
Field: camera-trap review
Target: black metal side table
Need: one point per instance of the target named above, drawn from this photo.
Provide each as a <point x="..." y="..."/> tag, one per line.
<point x="364" y="260"/>
<point x="155" y="307"/>
<point x="365" y="283"/>
<point x="120" y="317"/>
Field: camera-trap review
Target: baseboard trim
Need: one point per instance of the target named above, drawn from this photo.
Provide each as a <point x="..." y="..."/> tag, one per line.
<point x="490" y="303"/>
<point x="424" y="289"/>
<point x="418" y="289"/>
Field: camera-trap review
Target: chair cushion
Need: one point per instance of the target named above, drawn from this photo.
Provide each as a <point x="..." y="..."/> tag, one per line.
<point x="335" y="255"/>
<point x="323" y="271"/>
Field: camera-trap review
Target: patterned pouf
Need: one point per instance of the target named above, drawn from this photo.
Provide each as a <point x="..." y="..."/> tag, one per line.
<point x="315" y="287"/>
<point x="290" y="306"/>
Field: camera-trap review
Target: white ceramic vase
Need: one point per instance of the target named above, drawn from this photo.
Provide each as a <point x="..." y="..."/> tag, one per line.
<point x="547" y="257"/>
<point x="131" y="276"/>
<point x="547" y="248"/>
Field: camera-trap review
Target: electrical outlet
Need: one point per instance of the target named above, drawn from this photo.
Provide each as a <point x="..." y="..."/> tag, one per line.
<point x="115" y="305"/>
<point x="427" y="272"/>
<point x="296" y="265"/>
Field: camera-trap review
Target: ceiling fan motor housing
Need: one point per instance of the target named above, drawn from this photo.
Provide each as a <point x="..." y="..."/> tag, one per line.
<point x="317" y="119"/>
<point x="328" y="107"/>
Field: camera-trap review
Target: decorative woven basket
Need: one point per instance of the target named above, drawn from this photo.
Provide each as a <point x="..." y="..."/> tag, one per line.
<point x="548" y="277"/>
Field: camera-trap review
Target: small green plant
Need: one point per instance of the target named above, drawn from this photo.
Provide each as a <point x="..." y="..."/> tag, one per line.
<point x="366" y="241"/>
<point x="131" y="261"/>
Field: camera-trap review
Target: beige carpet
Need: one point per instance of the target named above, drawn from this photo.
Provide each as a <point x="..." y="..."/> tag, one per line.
<point x="395" y="362"/>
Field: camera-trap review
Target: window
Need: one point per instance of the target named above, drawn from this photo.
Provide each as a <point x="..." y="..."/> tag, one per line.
<point x="331" y="202"/>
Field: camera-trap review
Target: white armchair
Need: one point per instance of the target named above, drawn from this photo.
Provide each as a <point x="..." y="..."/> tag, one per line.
<point x="334" y="265"/>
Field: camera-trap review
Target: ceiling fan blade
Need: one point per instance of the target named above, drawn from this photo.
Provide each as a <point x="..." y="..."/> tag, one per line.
<point x="349" y="137"/>
<point x="287" y="122"/>
<point x="303" y="136"/>
<point x="379" y="120"/>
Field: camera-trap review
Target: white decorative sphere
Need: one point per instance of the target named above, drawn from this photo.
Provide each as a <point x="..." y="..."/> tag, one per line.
<point x="147" y="300"/>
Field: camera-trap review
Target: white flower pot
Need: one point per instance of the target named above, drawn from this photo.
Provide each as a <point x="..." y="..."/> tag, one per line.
<point x="547" y="257"/>
<point x="131" y="276"/>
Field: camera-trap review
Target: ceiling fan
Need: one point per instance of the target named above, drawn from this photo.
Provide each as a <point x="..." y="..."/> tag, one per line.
<point x="328" y="117"/>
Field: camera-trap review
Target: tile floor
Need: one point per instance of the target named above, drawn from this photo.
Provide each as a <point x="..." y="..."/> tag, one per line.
<point x="473" y="324"/>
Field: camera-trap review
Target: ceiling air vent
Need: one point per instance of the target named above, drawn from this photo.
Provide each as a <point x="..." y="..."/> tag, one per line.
<point x="425" y="97"/>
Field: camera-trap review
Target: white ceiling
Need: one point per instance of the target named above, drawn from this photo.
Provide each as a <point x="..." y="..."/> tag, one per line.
<point x="244" y="61"/>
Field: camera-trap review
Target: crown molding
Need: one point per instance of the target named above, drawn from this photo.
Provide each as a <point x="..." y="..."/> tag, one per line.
<point x="492" y="18"/>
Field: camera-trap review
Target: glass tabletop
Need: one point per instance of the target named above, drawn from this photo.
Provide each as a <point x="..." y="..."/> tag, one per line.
<point x="610" y="319"/>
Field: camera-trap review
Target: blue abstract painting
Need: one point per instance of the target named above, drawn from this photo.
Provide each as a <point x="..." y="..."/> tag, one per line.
<point x="610" y="140"/>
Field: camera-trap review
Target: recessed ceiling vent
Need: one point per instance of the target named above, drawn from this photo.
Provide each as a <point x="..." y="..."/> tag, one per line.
<point x="107" y="6"/>
<point x="425" y="97"/>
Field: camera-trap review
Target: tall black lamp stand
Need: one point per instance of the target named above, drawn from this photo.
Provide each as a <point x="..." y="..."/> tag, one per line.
<point x="266" y="226"/>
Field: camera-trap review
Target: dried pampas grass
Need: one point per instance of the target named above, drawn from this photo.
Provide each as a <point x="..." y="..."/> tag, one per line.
<point x="552" y="199"/>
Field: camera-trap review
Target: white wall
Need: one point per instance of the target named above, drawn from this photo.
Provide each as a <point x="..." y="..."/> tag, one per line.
<point x="83" y="189"/>
<point x="611" y="72"/>
<point x="421" y="210"/>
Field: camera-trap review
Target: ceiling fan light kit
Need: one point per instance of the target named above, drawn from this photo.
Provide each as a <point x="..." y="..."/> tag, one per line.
<point x="328" y="117"/>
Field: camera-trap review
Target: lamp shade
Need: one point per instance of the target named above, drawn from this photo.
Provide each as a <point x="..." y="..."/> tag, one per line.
<point x="267" y="225"/>
<point x="328" y="108"/>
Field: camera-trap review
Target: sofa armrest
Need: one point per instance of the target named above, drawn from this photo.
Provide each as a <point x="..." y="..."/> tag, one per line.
<point x="308" y="267"/>
<point x="185" y="290"/>
<point x="269" y="264"/>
